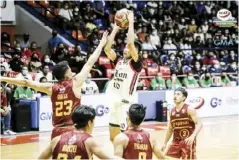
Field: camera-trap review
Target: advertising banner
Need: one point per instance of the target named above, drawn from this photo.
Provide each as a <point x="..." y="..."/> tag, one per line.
<point x="45" y="114"/>
<point x="7" y="11"/>
<point x="210" y="102"/>
<point x="148" y="99"/>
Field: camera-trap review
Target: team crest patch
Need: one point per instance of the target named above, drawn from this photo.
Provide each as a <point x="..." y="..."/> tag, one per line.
<point x="139" y="138"/>
<point x="62" y="89"/>
<point x="72" y="140"/>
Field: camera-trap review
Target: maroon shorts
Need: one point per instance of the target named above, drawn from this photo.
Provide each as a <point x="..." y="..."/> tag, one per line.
<point x="57" y="131"/>
<point x="181" y="150"/>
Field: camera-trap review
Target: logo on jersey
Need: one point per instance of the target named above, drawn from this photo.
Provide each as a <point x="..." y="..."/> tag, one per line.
<point x="184" y="133"/>
<point x="62" y="89"/>
<point x="101" y="110"/>
<point x="72" y="140"/>
<point x="139" y="138"/>
<point x="215" y="102"/>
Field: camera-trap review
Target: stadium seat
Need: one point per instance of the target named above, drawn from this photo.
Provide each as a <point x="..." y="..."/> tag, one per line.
<point x="80" y="36"/>
<point x="165" y="70"/>
<point x="12" y="74"/>
<point x="109" y="73"/>
<point x="45" y="3"/>
<point x="104" y="61"/>
<point x="152" y="71"/>
<point x="33" y="4"/>
<point x="47" y="13"/>
<point x="143" y="73"/>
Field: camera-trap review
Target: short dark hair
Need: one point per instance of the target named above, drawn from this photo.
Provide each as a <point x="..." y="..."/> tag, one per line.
<point x="59" y="70"/>
<point x="137" y="113"/>
<point x="81" y="115"/>
<point x="42" y="78"/>
<point x="183" y="91"/>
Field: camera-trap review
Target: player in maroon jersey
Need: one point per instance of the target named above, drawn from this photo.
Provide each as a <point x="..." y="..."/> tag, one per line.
<point x="135" y="143"/>
<point x="184" y="125"/>
<point x="66" y="93"/>
<point x="78" y="144"/>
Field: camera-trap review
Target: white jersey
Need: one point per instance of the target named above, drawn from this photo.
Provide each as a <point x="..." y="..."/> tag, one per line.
<point x="125" y="81"/>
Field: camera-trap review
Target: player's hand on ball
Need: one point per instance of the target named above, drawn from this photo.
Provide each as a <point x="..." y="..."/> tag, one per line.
<point x="189" y="140"/>
<point x="104" y="38"/>
<point x="116" y="27"/>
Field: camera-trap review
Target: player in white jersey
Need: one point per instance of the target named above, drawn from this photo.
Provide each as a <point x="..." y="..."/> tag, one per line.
<point x="121" y="89"/>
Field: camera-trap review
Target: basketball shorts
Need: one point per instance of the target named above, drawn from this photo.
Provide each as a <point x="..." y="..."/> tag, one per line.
<point x="57" y="131"/>
<point x="119" y="114"/>
<point x="179" y="150"/>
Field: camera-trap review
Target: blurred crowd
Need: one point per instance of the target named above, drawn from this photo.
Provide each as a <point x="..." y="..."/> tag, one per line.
<point x="179" y="37"/>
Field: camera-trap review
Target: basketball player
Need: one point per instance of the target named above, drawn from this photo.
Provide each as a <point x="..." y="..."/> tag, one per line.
<point x="184" y="125"/>
<point x="135" y="143"/>
<point x="66" y="93"/>
<point x="77" y="144"/>
<point x="122" y="87"/>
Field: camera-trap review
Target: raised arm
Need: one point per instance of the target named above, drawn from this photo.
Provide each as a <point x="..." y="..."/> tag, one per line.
<point x="108" y="50"/>
<point x="81" y="77"/>
<point x="42" y="87"/>
<point x="98" y="149"/>
<point x="130" y="37"/>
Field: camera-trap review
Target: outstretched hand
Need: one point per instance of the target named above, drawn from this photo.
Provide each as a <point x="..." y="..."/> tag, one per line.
<point x="104" y="38"/>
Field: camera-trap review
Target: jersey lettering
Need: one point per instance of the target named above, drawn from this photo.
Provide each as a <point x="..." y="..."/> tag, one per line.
<point x="65" y="156"/>
<point x="61" y="105"/>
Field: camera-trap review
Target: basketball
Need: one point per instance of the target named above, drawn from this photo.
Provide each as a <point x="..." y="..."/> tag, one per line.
<point x="121" y="18"/>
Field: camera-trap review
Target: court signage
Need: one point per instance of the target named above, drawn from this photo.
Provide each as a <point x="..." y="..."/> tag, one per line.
<point x="101" y="110"/>
<point x="216" y="101"/>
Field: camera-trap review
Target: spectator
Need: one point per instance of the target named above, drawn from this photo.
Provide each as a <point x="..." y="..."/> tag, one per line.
<point x="53" y="42"/>
<point x="32" y="50"/>
<point x="42" y="80"/>
<point x="24" y="74"/>
<point x="199" y="34"/>
<point x="169" y="47"/>
<point x="197" y="69"/>
<point x="225" y="80"/>
<point x="23" y="93"/>
<point x="147" y="62"/>
<point x="78" y="59"/>
<point x="47" y="61"/>
<point x="173" y="82"/>
<point x="186" y="45"/>
<point x="209" y="58"/>
<point x="142" y="35"/>
<point x="216" y="68"/>
<point x="174" y="63"/>
<point x="157" y="83"/>
<point x="205" y="27"/>
<point x="35" y="63"/>
<point x="25" y="44"/>
<point x="5" y="41"/>
<point x="65" y="17"/>
<point x="16" y="64"/>
<point x="154" y="39"/>
<point x="45" y="73"/>
<point x="5" y="113"/>
<point x="190" y="81"/>
<point x="192" y="27"/>
<point x="233" y="70"/>
<point x="205" y="80"/>
<point x="61" y="54"/>
<point x="232" y="57"/>
<point x="147" y="45"/>
<point x="89" y="86"/>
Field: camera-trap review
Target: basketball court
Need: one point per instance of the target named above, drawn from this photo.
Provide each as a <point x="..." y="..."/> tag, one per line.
<point x="217" y="140"/>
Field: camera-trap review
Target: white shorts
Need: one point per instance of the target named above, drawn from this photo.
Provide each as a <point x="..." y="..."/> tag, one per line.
<point x="119" y="114"/>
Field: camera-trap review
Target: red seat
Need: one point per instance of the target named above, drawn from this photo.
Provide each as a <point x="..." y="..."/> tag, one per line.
<point x="80" y="36"/>
<point x="152" y="71"/>
<point x="143" y="73"/>
<point x="109" y="73"/>
<point x="104" y="61"/>
<point x="47" y="13"/>
<point x="165" y="70"/>
<point x="45" y="3"/>
<point x="12" y="74"/>
<point x="33" y="4"/>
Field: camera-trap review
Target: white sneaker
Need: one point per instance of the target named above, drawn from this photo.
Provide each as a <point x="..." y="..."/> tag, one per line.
<point x="9" y="132"/>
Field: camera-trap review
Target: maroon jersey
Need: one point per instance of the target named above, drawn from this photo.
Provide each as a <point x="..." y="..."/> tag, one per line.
<point x="72" y="146"/>
<point x="181" y="123"/>
<point x="139" y="146"/>
<point x="63" y="102"/>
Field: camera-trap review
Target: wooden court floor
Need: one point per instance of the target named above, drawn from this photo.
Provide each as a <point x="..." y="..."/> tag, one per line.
<point x="217" y="140"/>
